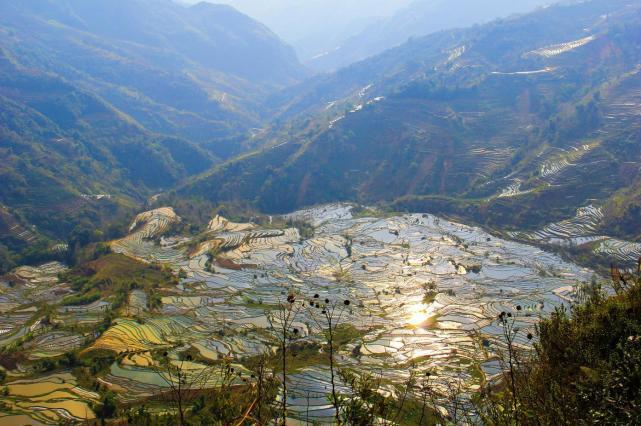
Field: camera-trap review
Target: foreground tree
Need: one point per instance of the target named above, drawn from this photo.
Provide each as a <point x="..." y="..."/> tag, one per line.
<point x="585" y="367"/>
<point x="328" y="316"/>
<point x="282" y="322"/>
<point x="183" y="383"/>
<point x="217" y="394"/>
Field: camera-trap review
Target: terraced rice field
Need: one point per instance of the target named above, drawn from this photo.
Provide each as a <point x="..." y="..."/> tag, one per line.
<point x="52" y="399"/>
<point x="618" y="249"/>
<point x="514" y="190"/>
<point x="54" y="344"/>
<point x="145" y="227"/>
<point x="522" y="73"/>
<point x="563" y="159"/>
<point x="137" y="303"/>
<point x="131" y="336"/>
<point x="20" y="293"/>
<point x="583" y="229"/>
<point x="487" y="161"/>
<point x="555" y="167"/>
<point x="423" y="291"/>
<point x="558" y="49"/>
<point x="33" y="284"/>
<point x="14" y="228"/>
<point x="384" y="266"/>
<point x="585" y="224"/>
<point x="623" y="109"/>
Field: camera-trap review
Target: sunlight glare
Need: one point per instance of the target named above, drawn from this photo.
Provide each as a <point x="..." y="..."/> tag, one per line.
<point x="420" y="314"/>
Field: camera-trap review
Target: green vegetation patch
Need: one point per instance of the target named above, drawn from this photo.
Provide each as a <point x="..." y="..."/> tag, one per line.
<point x="114" y="275"/>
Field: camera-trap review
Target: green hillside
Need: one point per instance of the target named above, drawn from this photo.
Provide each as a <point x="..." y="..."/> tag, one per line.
<point x="195" y="72"/>
<point x="513" y="124"/>
<point x="94" y="119"/>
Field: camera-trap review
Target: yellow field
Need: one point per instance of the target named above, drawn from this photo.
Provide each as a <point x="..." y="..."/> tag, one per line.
<point x="138" y="360"/>
<point x="18" y="419"/>
<point x="77" y="409"/>
<point x="48" y="400"/>
<point x="130" y="336"/>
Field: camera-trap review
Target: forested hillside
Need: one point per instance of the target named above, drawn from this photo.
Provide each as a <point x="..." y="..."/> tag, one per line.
<point x="514" y="124"/>
<point x="96" y="117"/>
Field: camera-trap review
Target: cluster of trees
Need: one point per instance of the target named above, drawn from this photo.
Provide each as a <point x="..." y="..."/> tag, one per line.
<point x="585" y="367"/>
<point x="81" y="237"/>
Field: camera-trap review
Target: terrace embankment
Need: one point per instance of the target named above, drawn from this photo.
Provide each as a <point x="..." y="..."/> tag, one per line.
<point x="425" y="292"/>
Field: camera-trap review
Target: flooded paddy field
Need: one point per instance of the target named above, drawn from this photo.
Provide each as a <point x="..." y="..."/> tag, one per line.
<point x="584" y="229"/>
<point x="424" y="295"/>
<point x="51" y="399"/>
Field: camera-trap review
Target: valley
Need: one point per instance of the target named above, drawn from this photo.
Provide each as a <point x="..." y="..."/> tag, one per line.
<point x="437" y="221"/>
<point x="511" y="134"/>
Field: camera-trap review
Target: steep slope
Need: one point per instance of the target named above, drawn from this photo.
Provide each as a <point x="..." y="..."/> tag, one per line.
<point x="195" y="72"/>
<point x="63" y="149"/>
<point x="513" y="124"/>
<point x="104" y="103"/>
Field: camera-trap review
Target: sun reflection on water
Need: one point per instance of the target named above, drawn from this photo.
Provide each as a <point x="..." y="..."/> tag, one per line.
<point x="419" y="314"/>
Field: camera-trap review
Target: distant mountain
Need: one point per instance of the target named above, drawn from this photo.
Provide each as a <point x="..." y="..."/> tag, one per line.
<point x="420" y="18"/>
<point x="195" y="72"/>
<point x="122" y="98"/>
<point x="513" y="124"/>
<point x="315" y="27"/>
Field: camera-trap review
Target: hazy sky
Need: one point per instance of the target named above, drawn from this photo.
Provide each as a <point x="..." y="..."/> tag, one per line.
<point x="322" y="30"/>
<point x="315" y="26"/>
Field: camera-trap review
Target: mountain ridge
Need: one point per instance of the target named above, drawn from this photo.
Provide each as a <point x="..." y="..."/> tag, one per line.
<point x="98" y="117"/>
<point x="439" y="127"/>
<point x="192" y="82"/>
<point x="419" y="18"/>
